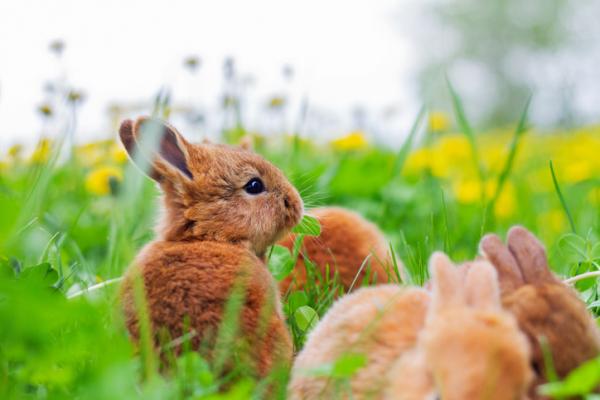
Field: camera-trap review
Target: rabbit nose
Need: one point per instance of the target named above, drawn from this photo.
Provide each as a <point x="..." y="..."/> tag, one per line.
<point x="286" y="202"/>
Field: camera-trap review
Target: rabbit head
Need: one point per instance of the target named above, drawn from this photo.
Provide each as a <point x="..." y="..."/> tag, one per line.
<point x="470" y="348"/>
<point x="545" y="308"/>
<point x="213" y="192"/>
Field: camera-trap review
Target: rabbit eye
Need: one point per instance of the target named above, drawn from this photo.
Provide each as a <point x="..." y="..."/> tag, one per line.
<point x="254" y="186"/>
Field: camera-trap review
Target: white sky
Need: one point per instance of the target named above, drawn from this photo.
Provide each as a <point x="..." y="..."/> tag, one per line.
<point x="344" y="53"/>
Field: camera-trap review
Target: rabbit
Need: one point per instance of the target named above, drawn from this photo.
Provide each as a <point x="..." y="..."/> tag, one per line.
<point x="455" y="343"/>
<point x="223" y="206"/>
<point x="347" y="240"/>
<point x="542" y="304"/>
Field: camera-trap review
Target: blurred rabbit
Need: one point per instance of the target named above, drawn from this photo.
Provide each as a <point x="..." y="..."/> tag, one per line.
<point x="543" y="305"/>
<point x="223" y="206"/>
<point x="458" y="345"/>
<point x="347" y="241"/>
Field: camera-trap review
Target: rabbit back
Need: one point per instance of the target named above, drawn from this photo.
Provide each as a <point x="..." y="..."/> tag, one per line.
<point x="379" y="323"/>
<point x="188" y="285"/>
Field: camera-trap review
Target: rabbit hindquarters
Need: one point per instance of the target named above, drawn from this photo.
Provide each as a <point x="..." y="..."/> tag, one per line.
<point x="196" y="282"/>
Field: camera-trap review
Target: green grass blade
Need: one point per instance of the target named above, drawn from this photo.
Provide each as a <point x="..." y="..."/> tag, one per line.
<point x="562" y="199"/>
<point x="512" y="152"/>
<point x="465" y="127"/>
<point x="407" y="145"/>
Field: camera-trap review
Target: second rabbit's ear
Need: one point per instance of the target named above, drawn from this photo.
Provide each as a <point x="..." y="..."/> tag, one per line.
<point x="157" y="148"/>
<point x="481" y="286"/>
<point x="446" y="281"/>
<point x="530" y="254"/>
<point x="509" y="274"/>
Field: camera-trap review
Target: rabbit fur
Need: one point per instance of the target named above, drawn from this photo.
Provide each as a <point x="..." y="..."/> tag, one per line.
<point x="211" y="241"/>
<point x="347" y="240"/>
<point x="455" y="343"/>
<point x="543" y="305"/>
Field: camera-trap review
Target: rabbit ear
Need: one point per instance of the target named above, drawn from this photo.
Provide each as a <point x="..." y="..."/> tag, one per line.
<point x="530" y="255"/>
<point x="156" y="147"/>
<point x="446" y="281"/>
<point x="481" y="286"/>
<point x="509" y="273"/>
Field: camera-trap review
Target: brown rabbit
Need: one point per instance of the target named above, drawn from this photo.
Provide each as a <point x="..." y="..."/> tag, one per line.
<point x="347" y="240"/>
<point x="543" y="305"/>
<point x="223" y="206"/>
<point x="460" y="345"/>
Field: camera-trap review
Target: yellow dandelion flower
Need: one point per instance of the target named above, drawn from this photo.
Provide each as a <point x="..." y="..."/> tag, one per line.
<point x="276" y="102"/>
<point x="118" y="154"/>
<point x="456" y="147"/>
<point x="353" y="141"/>
<point x="506" y="204"/>
<point x="98" y="181"/>
<point x="15" y="151"/>
<point x="494" y="157"/>
<point x="576" y="171"/>
<point x="90" y="154"/>
<point x="42" y="150"/>
<point x="418" y="161"/>
<point x="467" y="191"/>
<point x="438" y="121"/>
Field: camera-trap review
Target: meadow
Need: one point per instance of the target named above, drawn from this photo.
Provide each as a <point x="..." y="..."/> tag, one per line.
<point x="73" y="218"/>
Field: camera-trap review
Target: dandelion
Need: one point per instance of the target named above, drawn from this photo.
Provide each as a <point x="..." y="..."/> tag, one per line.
<point x="506" y="203"/>
<point x="42" y="150"/>
<point x="467" y="191"/>
<point x="438" y="121"/>
<point x="101" y="180"/>
<point x="57" y="47"/>
<point x="276" y="102"/>
<point x="46" y="110"/>
<point x="15" y="151"/>
<point x="577" y="171"/>
<point x="418" y="161"/>
<point x="91" y="154"/>
<point x="75" y="96"/>
<point x="192" y="63"/>
<point x="455" y="147"/>
<point x="353" y="141"/>
<point x="118" y="154"/>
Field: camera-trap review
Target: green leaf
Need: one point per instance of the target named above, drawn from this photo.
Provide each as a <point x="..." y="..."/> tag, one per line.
<point x="308" y="226"/>
<point x="580" y="381"/>
<point x="306" y="318"/>
<point x="595" y="253"/>
<point x="572" y="246"/>
<point x="296" y="300"/>
<point x="41" y="274"/>
<point x="280" y="262"/>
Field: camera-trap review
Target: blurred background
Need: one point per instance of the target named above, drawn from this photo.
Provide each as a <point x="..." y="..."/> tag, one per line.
<point x="319" y="69"/>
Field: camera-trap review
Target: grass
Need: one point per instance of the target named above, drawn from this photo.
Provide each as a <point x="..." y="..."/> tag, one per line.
<point x="69" y="224"/>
